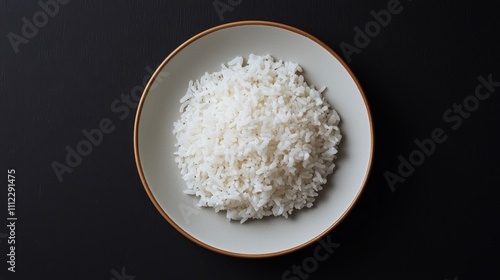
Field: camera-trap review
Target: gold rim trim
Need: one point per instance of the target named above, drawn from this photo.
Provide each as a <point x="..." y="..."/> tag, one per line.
<point x="136" y="137"/>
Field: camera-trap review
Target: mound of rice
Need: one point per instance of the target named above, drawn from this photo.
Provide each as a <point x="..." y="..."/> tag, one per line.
<point x="254" y="139"/>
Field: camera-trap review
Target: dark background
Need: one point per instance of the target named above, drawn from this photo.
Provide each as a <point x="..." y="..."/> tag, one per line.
<point x="440" y="223"/>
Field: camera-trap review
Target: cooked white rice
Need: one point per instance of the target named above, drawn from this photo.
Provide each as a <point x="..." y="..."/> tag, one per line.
<point x="254" y="139"/>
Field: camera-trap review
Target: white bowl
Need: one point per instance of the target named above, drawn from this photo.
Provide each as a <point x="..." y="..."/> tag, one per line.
<point x="154" y="140"/>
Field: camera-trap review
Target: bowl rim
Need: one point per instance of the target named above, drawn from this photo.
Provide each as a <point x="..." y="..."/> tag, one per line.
<point x="136" y="137"/>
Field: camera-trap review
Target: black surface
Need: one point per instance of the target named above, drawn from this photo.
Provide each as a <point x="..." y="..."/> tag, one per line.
<point x="440" y="223"/>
